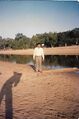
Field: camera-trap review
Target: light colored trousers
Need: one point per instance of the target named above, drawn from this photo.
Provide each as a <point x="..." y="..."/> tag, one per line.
<point x="38" y="61"/>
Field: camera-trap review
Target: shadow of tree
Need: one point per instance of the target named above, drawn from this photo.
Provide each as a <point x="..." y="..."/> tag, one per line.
<point x="6" y="92"/>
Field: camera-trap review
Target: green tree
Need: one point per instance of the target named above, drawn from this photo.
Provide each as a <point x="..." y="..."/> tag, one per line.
<point x="21" y="41"/>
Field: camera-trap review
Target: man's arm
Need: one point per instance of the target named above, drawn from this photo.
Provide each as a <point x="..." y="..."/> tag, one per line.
<point x="34" y="54"/>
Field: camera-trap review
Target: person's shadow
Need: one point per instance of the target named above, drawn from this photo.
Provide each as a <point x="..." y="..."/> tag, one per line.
<point x="33" y="67"/>
<point x="6" y="93"/>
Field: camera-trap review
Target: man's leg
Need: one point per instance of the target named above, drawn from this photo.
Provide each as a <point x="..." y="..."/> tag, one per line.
<point x="37" y="63"/>
<point x="40" y="64"/>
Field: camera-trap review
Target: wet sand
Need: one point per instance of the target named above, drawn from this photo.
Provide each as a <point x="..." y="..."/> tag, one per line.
<point x="25" y="94"/>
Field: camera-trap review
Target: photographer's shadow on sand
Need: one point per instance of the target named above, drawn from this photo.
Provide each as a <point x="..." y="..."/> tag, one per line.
<point x="6" y="92"/>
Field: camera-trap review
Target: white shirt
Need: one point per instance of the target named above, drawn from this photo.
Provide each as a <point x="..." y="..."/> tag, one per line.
<point x="38" y="52"/>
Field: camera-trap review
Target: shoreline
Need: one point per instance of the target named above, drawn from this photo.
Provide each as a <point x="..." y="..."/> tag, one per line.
<point x="45" y="70"/>
<point x="68" y="50"/>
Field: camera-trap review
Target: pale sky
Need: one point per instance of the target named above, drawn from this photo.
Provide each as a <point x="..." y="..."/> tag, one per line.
<point x="33" y="17"/>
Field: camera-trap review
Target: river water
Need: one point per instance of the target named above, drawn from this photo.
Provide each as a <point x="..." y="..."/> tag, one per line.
<point x="51" y="61"/>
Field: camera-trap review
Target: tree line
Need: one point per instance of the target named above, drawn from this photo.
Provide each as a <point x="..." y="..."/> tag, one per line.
<point x="50" y="39"/>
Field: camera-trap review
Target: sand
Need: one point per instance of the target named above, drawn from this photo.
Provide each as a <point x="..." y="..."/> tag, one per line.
<point x="25" y="94"/>
<point x="68" y="50"/>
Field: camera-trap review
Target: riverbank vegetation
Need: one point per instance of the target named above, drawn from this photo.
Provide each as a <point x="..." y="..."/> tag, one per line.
<point x="50" y="39"/>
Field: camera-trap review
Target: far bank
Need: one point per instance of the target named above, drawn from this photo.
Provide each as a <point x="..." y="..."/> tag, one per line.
<point x="68" y="50"/>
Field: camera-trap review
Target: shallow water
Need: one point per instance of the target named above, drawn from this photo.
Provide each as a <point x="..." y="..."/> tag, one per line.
<point x="51" y="61"/>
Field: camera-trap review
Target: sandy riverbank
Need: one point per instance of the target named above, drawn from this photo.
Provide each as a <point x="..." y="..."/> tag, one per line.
<point x="24" y="94"/>
<point x="68" y="50"/>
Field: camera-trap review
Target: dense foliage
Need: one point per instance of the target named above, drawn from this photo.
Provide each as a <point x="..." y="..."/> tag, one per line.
<point x="48" y="39"/>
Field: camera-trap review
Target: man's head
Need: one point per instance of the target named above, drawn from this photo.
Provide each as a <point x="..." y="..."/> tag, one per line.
<point x="38" y="45"/>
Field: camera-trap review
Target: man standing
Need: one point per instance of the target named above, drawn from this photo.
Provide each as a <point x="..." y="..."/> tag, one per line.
<point x="38" y="56"/>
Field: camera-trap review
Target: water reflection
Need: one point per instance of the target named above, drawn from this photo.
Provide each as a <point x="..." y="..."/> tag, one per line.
<point x="16" y="58"/>
<point x="62" y="61"/>
<point x="51" y="61"/>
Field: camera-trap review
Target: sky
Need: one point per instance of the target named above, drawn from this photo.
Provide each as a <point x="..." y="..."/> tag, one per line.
<point x="32" y="17"/>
